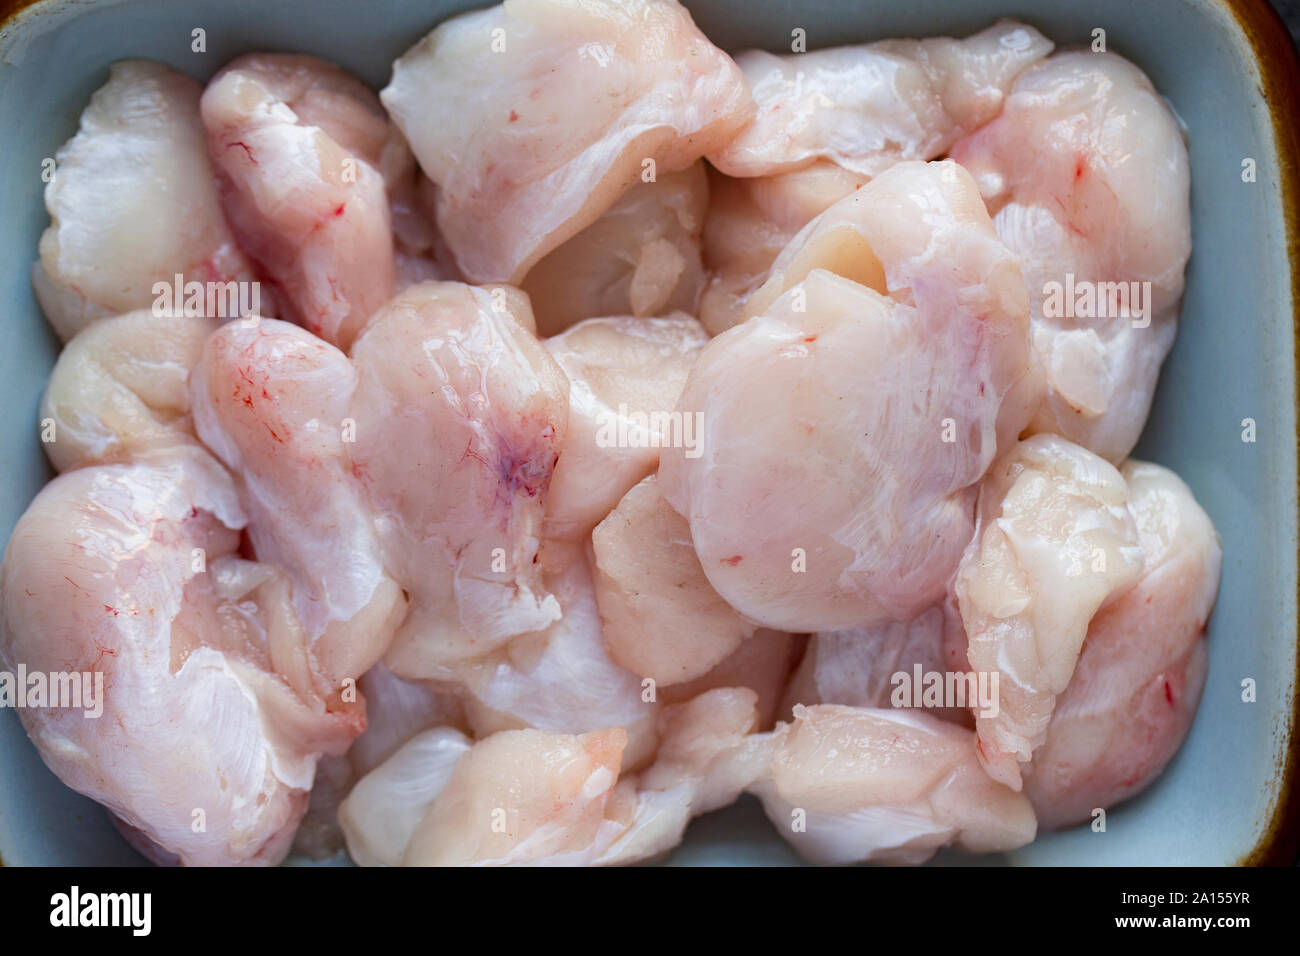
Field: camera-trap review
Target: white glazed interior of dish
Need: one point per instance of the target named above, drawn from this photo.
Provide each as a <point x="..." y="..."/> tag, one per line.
<point x="1233" y="360"/>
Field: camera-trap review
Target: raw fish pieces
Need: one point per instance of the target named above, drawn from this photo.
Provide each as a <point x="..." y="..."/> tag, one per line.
<point x="132" y="202"/>
<point x="130" y="573"/>
<point x="535" y="116"/>
<point x="847" y="424"/>
<point x="1098" y="207"/>
<point x="641" y="428"/>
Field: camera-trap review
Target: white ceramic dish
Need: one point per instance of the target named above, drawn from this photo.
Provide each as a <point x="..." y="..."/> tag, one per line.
<point x="1230" y="72"/>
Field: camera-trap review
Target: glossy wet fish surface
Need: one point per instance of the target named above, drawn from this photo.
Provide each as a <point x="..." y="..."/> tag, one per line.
<point x="593" y="426"/>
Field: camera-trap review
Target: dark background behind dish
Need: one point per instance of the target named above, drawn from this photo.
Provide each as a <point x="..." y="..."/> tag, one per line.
<point x="1290" y="10"/>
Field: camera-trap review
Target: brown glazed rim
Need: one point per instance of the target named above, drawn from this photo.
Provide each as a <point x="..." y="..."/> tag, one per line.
<point x="1279" y="72"/>
<point x="1279" y="69"/>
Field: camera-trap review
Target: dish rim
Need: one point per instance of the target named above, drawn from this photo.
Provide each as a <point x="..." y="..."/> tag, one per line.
<point x="1278" y="62"/>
